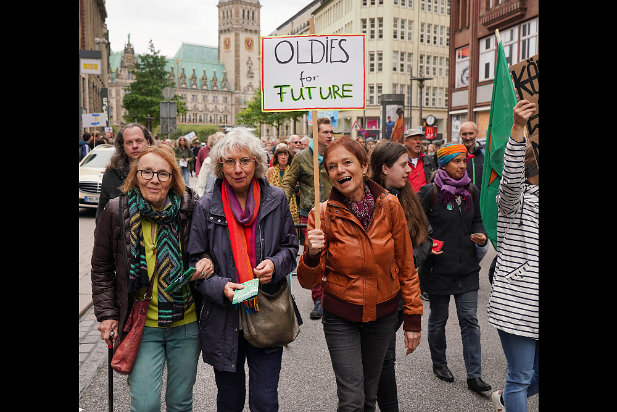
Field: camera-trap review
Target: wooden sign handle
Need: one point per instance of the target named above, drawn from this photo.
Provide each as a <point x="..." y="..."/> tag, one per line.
<point x="315" y="153"/>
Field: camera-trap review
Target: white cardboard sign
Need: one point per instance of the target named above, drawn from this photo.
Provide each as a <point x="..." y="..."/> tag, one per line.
<point x="313" y="72"/>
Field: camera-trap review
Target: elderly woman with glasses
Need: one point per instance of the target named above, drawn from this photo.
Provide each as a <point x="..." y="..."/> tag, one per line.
<point x="141" y="237"/>
<point x="244" y="230"/>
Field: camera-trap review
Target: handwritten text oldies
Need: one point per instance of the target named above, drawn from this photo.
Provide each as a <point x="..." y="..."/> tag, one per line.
<point x="313" y="72"/>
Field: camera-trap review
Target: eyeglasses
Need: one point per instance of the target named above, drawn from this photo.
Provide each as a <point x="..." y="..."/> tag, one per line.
<point x="231" y="163"/>
<point x="149" y="174"/>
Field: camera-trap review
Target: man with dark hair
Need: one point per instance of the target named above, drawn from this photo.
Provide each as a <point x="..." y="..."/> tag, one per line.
<point x="301" y="171"/>
<point x="131" y="140"/>
<point x="84" y="148"/>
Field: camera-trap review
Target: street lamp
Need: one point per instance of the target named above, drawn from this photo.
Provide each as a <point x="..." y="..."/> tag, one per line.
<point x="420" y="80"/>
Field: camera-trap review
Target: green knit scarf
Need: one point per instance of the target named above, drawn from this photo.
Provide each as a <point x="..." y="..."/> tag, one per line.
<point x="169" y="265"/>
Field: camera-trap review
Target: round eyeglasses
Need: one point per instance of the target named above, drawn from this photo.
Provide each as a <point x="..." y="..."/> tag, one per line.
<point x="231" y="163"/>
<point x="149" y="174"/>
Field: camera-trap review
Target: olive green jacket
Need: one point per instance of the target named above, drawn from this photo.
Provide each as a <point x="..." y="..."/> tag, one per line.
<point x="301" y="171"/>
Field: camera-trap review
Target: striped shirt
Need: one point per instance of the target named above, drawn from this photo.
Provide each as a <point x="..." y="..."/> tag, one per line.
<point x="513" y="304"/>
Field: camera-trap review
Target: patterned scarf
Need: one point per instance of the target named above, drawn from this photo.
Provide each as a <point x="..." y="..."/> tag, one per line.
<point x="363" y="209"/>
<point x="241" y="225"/>
<point x="451" y="188"/>
<point x="276" y="180"/>
<point x="168" y="254"/>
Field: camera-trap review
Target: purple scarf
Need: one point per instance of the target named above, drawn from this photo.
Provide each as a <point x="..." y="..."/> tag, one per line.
<point x="451" y="188"/>
<point x="363" y="209"/>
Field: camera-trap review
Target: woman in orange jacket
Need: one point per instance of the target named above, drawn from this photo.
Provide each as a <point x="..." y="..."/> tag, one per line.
<point x="364" y="255"/>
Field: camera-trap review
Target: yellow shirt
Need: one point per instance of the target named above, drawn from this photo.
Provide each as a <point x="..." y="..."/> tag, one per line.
<point x="153" y="314"/>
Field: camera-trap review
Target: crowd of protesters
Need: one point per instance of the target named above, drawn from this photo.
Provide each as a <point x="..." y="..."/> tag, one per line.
<point x="399" y="222"/>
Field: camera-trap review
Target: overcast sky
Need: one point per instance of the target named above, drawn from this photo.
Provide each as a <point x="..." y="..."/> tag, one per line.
<point x="170" y="23"/>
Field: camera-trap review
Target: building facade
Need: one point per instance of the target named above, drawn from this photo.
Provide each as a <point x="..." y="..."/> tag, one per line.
<point x="404" y="39"/>
<point x="215" y="82"/>
<point x="93" y="37"/>
<point x="473" y="53"/>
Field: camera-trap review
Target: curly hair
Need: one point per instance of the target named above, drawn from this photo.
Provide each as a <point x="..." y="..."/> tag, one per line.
<point x="236" y="139"/>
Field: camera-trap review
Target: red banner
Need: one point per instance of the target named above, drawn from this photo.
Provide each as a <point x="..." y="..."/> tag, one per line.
<point x="430" y="132"/>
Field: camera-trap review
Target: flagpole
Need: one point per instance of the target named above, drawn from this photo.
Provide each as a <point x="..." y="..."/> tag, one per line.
<point x="315" y="152"/>
<point x="498" y="37"/>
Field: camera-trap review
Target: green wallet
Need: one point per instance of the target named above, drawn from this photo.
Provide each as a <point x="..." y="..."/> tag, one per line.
<point x="250" y="291"/>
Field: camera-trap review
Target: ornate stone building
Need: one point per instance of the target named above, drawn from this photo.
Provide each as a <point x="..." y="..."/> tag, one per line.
<point x="215" y="82"/>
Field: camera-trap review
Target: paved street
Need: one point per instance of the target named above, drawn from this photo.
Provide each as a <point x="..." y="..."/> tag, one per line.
<point x="307" y="382"/>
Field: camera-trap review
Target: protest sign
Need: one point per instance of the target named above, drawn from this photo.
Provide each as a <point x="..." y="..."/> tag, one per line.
<point x="312" y="72"/>
<point x="525" y="77"/>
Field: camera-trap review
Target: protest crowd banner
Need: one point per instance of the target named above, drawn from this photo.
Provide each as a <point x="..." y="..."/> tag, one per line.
<point x="313" y="72"/>
<point x="525" y="76"/>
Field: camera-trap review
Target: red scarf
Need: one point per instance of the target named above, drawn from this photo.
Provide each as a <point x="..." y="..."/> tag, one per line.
<point x="241" y="225"/>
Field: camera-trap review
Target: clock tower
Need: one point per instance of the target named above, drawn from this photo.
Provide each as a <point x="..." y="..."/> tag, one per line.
<point x="238" y="48"/>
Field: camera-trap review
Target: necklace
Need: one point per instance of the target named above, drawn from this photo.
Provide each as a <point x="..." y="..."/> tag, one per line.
<point x="153" y="232"/>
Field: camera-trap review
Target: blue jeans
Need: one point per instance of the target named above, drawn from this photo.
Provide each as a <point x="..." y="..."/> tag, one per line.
<point x="357" y="351"/>
<point x="179" y="347"/>
<point x="466" y="310"/>
<point x="522" y="354"/>
<point x="185" y="174"/>
<point x="264" y="371"/>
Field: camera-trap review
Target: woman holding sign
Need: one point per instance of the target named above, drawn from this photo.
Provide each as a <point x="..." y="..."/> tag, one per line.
<point x="244" y="230"/>
<point x="364" y="252"/>
<point x="139" y="242"/>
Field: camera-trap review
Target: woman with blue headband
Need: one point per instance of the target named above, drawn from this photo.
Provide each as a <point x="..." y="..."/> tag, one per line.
<point x="452" y="205"/>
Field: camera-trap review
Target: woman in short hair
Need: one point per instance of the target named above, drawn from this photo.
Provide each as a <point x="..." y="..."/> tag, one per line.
<point x="281" y="159"/>
<point x="244" y="230"/>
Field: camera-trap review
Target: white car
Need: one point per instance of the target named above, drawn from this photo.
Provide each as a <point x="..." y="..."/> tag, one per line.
<point x="91" y="169"/>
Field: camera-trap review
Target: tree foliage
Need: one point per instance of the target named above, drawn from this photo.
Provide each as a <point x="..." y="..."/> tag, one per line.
<point x="143" y="96"/>
<point x="252" y="116"/>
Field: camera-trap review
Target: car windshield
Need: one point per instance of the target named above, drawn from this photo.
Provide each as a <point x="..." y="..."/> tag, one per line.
<point x="98" y="159"/>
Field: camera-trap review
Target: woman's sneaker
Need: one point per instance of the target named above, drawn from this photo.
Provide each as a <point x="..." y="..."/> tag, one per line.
<point x="497" y="401"/>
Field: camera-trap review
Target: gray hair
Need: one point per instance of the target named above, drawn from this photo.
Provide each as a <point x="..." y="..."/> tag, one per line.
<point x="236" y="139"/>
<point x="214" y="138"/>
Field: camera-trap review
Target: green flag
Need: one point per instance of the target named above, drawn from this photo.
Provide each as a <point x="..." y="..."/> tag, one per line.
<point x="499" y="126"/>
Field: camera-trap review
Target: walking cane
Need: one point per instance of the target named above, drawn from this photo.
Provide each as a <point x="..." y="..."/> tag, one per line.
<point x="110" y="372"/>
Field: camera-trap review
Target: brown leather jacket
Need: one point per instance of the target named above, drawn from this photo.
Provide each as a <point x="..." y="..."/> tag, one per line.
<point x="364" y="269"/>
<point x="111" y="257"/>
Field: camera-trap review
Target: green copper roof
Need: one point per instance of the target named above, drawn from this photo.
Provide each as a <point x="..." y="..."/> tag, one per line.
<point x="189" y="56"/>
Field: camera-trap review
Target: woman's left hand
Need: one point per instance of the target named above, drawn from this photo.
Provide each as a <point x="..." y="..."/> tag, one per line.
<point x="412" y="340"/>
<point x="264" y="271"/>
<point x="204" y="268"/>
<point x="478" y="238"/>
